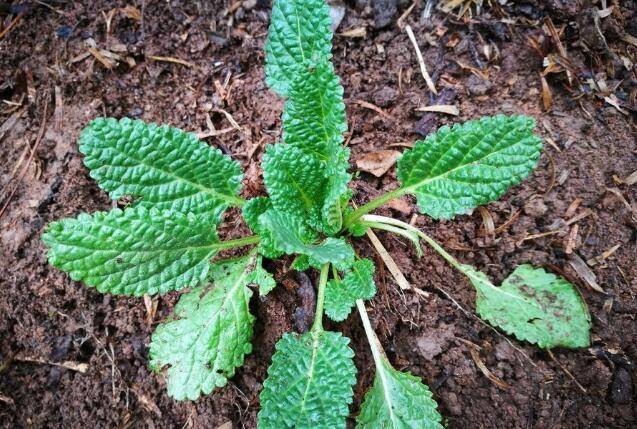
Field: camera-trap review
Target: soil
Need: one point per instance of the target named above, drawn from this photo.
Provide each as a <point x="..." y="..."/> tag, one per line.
<point x="484" y="65"/>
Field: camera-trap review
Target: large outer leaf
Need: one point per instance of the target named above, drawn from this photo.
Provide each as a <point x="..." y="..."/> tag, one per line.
<point x="299" y="31"/>
<point x="397" y="400"/>
<point x="341" y="296"/>
<point x="163" y="167"/>
<point x="309" y="383"/>
<point x="535" y="306"/>
<point x="211" y="333"/>
<point x="134" y="252"/>
<point x="456" y="169"/>
<point x="290" y="235"/>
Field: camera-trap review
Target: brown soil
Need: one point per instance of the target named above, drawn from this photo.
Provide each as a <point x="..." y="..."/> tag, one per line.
<point x="47" y="317"/>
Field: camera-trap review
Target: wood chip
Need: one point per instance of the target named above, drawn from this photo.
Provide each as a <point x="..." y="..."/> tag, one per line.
<point x="377" y="163"/>
<point x="101" y="56"/>
<point x="584" y="273"/>
<point x="400" y="205"/>
<point x="375" y="108"/>
<point x="547" y="97"/>
<point x="571" y="240"/>
<point x="570" y="211"/>
<point x="172" y="60"/>
<point x="358" y="32"/>
<point x="131" y="12"/>
<point x="7" y="400"/>
<point x="605" y="255"/>
<point x="441" y="108"/>
<point x="630" y="180"/>
<point x="73" y="366"/>
<point x="475" y="355"/>
<point x="421" y="62"/>
<point x="389" y="261"/>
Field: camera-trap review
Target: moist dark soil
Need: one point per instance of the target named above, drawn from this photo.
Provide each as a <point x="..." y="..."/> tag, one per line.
<point x="575" y="206"/>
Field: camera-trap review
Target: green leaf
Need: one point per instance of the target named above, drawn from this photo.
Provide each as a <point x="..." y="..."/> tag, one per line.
<point x="535" y="306"/>
<point x="291" y="236"/>
<point x="314" y="121"/>
<point x="211" y="333"/>
<point x="134" y="252"/>
<point x="300" y="263"/>
<point x="262" y="278"/>
<point x="159" y="166"/>
<point x="456" y="169"/>
<point x="294" y="180"/>
<point x="309" y="383"/>
<point x="397" y="400"/>
<point x="299" y="31"/>
<point x="341" y="296"/>
<point x="252" y="209"/>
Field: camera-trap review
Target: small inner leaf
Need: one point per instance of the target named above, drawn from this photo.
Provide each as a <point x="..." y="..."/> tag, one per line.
<point x="341" y="296"/>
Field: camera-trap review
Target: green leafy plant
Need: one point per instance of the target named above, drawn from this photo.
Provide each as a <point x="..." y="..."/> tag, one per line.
<point x="167" y="240"/>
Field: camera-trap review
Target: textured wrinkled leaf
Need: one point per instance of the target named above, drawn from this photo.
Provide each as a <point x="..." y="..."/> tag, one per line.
<point x="291" y="236"/>
<point x="309" y="383"/>
<point x="135" y="251"/>
<point x="299" y="32"/>
<point x="252" y="209"/>
<point x="456" y="169"/>
<point x="397" y="400"/>
<point x="314" y="121"/>
<point x="210" y="334"/>
<point x="535" y="306"/>
<point x="294" y="180"/>
<point x="262" y="278"/>
<point x="341" y="296"/>
<point x="159" y="166"/>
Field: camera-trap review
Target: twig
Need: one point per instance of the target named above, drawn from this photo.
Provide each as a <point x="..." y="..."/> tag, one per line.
<point x="566" y="371"/>
<point x="421" y="62"/>
<point x="73" y="366"/>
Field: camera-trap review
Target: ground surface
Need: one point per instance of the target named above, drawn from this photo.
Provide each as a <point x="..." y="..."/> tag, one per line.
<point x="58" y="86"/>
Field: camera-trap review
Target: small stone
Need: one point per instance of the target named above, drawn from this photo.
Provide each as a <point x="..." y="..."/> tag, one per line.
<point x="621" y="388"/>
<point x="385" y="97"/>
<point x="478" y="86"/>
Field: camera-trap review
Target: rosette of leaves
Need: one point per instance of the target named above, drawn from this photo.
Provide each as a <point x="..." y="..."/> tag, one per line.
<point x="166" y="239"/>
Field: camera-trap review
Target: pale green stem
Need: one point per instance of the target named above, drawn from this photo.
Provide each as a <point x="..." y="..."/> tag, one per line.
<point x="430" y="241"/>
<point x="238" y="242"/>
<point x="408" y="234"/>
<point x="374" y="344"/>
<point x="373" y="204"/>
<point x="320" y="299"/>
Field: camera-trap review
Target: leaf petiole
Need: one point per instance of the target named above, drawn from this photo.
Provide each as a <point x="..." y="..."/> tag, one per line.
<point x="237" y="242"/>
<point x="320" y="299"/>
<point x="373" y="204"/>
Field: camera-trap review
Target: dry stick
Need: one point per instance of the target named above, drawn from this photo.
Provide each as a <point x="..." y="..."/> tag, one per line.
<point x="388" y="260"/>
<point x="74" y="366"/>
<point x="566" y="371"/>
<point x="421" y="62"/>
<point x="26" y="167"/>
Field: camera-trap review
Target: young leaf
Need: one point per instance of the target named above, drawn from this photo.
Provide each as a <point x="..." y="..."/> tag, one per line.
<point x="456" y="169"/>
<point x="294" y="180"/>
<point x="309" y="384"/>
<point x="262" y="278"/>
<point x="290" y="235"/>
<point x="397" y="400"/>
<point x="163" y="167"/>
<point x="341" y="296"/>
<point x="252" y="209"/>
<point x="211" y="333"/>
<point x="299" y="31"/>
<point x="535" y="306"/>
<point x="134" y="252"/>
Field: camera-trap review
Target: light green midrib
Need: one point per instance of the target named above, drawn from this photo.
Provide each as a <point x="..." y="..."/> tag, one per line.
<point x="228" y="198"/>
<point x="228" y="297"/>
<point x="414" y="187"/>
<point x="310" y="377"/>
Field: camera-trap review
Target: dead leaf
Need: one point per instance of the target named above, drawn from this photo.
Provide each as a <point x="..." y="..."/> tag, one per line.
<point x="379" y="162"/>
<point x="400" y="205"/>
